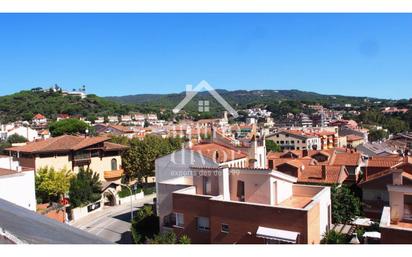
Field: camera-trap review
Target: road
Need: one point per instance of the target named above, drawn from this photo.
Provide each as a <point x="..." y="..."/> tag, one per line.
<point x="113" y="222"/>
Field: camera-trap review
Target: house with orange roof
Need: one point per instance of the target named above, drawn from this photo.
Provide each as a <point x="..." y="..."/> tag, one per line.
<point x="211" y="202"/>
<point x="353" y="140"/>
<point x="374" y="184"/>
<point x="62" y="116"/>
<point x="116" y="130"/>
<point x="332" y="166"/>
<point x="73" y="153"/>
<point x="39" y="119"/>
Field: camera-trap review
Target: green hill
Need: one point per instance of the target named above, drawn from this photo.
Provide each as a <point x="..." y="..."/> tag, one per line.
<point x="25" y="104"/>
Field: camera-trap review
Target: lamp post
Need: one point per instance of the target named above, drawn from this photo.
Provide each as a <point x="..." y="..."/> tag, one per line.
<point x="131" y="201"/>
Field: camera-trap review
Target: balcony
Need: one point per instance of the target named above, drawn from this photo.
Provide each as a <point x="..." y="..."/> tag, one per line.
<point x="113" y="174"/>
<point x="82" y="159"/>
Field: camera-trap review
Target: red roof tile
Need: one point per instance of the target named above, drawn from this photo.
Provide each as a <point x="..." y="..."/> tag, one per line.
<point x="225" y="154"/>
<point x="59" y="144"/>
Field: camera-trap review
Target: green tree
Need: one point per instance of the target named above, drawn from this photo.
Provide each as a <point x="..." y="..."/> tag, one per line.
<point x="345" y="204"/>
<point x="85" y="188"/>
<point x="272" y="146"/>
<point x="145" y="225"/>
<point x="15" y="138"/>
<point x="68" y="126"/>
<point x="138" y="161"/>
<point x="50" y="184"/>
<point x="377" y="135"/>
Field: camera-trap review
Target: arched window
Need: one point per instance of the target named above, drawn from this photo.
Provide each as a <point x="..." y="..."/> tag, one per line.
<point x="114" y="164"/>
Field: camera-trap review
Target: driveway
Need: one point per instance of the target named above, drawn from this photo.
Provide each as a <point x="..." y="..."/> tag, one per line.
<point x="113" y="222"/>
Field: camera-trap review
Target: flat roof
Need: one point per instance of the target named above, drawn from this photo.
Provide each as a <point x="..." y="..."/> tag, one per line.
<point x="296" y="202"/>
<point x="33" y="228"/>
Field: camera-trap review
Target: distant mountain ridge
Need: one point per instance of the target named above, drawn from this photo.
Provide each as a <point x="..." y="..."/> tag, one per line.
<point x="241" y="97"/>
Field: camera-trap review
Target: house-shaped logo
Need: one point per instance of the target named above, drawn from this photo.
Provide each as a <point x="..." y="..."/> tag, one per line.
<point x="203" y="85"/>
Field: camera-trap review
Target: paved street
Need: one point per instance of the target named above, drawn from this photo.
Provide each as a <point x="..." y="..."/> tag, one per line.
<point x="112" y="223"/>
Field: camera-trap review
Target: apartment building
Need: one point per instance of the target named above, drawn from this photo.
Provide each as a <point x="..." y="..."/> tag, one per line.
<point x="396" y="218"/>
<point x="73" y="152"/>
<point x="380" y="173"/>
<point x="213" y="203"/>
<point x="295" y="140"/>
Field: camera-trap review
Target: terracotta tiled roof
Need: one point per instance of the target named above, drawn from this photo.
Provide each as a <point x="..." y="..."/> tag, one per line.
<point x="351" y="138"/>
<point x="39" y="116"/>
<point x="225" y="154"/>
<point x="347" y="159"/>
<point x="108" y="146"/>
<point x="384" y="161"/>
<point x="313" y="174"/>
<point x="59" y="144"/>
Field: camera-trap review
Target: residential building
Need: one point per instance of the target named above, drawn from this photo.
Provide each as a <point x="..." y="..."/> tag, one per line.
<point x="377" y="149"/>
<point x="99" y="120"/>
<point x="295" y="140"/>
<point x="354" y="141"/>
<point x="17" y="183"/>
<point x="24" y="131"/>
<point x="213" y="203"/>
<point x="151" y="118"/>
<point x="405" y="138"/>
<point x="304" y="121"/>
<point x="126" y="119"/>
<point x="39" y="119"/>
<point x="113" y="119"/>
<point x="62" y="117"/>
<point x="116" y="130"/>
<point x="396" y="218"/>
<point x="374" y="185"/>
<point x="332" y="166"/>
<point x="392" y="110"/>
<point x="73" y="153"/>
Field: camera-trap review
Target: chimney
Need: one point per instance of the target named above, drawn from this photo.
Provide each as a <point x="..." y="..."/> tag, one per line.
<point x="305" y="153"/>
<point x="323" y="171"/>
<point x="397" y="177"/>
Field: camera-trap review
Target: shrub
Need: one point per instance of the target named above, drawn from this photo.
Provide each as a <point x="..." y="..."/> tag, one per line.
<point x="184" y="240"/>
<point x="149" y="190"/>
<point x="85" y="188"/>
<point x="333" y="237"/>
<point x="145" y="225"/>
<point x="51" y="184"/>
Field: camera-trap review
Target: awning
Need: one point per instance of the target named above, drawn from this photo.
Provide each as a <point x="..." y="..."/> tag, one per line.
<point x="372" y="234"/>
<point x="277" y="234"/>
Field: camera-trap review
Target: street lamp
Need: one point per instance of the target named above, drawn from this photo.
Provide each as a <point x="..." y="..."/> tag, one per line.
<point x="131" y="201"/>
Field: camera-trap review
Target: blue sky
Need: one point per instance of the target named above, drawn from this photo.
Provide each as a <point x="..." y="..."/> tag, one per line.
<point x="120" y="54"/>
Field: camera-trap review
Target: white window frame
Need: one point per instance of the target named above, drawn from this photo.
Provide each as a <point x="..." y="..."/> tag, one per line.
<point x="182" y="223"/>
